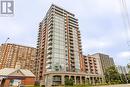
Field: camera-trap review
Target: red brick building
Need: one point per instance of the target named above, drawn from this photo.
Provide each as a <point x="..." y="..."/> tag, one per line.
<point x="15" y="77"/>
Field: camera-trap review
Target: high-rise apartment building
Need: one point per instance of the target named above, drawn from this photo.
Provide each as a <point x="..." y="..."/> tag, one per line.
<point x="122" y="69"/>
<point x="105" y="60"/>
<point x="12" y="54"/>
<point x="59" y="50"/>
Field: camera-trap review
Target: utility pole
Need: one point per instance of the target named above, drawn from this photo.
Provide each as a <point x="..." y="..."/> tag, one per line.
<point x="7" y="40"/>
<point x="126" y="19"/>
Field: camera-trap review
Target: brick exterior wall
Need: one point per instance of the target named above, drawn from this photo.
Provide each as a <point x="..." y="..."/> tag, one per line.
<point x="10" y="54"/>
<point x="26" y="81"/>
<point x="7" y="82"/>
<point x="29" y="81"/>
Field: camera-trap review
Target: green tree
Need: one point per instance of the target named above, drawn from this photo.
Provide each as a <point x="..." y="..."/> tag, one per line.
<point x="69" y="82"/>
<point x="112" y="76"/>
<point x="123" y="78"/>
<point x="128" y="77"/>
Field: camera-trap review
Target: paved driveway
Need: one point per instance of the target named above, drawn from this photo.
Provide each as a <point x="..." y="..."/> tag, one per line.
<point x="121" y="85"/>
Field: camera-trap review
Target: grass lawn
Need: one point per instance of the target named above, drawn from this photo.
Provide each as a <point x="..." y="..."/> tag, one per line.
<point x="77" y="86"/>
<point x="32" y="86"/>
<point x="61" y="86"/>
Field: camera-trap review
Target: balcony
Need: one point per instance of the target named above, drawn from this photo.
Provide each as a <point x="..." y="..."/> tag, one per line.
<point x="59" y="13"/>
<point x="49" y="52"/>
<point x="72" y="57"/>
<point x="51" y="20"/>
<point x="49" y="39"/>
<point x="71" y="39"/>
<point x="72" y="61"/>
<point x="41" y="60"/>
<point x="72" y="54"/>
<point x="71" y="43"/>
<point x="41" y="67"/>
<point x="86" y="64"/>
<point x="86" y="69"/>
<point x="94" y="61"/>
<point x="41" y="64"/>
<point x="48" y="62"/>
<point x="43" y="39"/>
<point x="95" y="66"/>
<point x="85" y="61"/>
<point x="72" y="23"/>
<point x="49" y="56"/>
<point x="71" y="50"/>
<point x="49" y="47"/>
<point x="48" y="66"/>
<point x="50" y="25"/>
<point x="50" y="32"/>
<point x="70" y="33"/>
<point x="72" y="19"/>
<point x="71" y="36"/>
<point x="72" y="64"/>
<point x="43" y="45"/>
<point x="71" y="46"/>
<point x="50" y="44"/>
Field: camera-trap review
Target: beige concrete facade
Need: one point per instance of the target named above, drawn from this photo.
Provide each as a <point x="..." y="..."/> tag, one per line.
<point x="92" y="65"/>
<point x="11" y="54"/>
<point x="58" y="78"/>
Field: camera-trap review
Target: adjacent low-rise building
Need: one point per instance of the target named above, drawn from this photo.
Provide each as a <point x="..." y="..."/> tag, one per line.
<point x="13" y="77"/>
<point x="96" y="65"/>
<point x="92" y="67"/>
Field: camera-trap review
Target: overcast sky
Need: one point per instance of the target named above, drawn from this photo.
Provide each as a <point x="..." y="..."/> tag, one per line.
<point x="100" y="21"/>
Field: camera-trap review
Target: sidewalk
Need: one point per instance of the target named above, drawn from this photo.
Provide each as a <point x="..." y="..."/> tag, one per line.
<point x="120" y="85"/>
